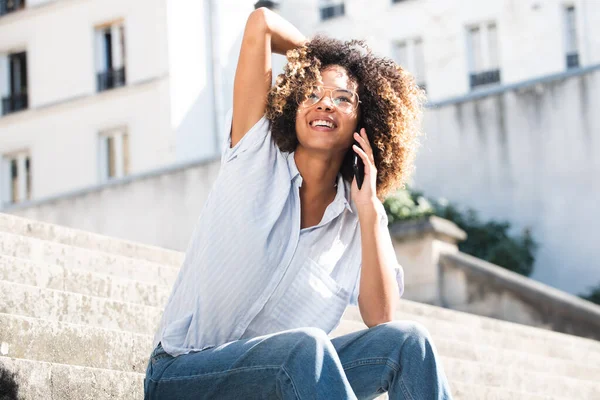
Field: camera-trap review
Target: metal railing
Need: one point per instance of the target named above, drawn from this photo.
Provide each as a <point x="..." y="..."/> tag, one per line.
<point x="8" y="6"/>
<point x="484" y="78"/>
<point x="111" y="78"/>
<point x="15" y="102"/>
<point x="573" y="60"/>
<point x="333" y="11"/>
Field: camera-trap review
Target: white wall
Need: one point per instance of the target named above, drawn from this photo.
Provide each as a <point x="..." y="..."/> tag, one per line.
<point x="63" y="140"/>
<point x="59" y="39"/>
<point x="160" y="209"/>
<point x="530" y="156"/>
<point x="66" y="113"/>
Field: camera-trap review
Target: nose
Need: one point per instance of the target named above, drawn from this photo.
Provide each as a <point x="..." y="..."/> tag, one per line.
<point x="325" y="103"/>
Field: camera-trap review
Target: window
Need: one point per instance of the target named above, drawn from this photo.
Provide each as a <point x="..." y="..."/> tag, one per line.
<point x="16" y="177"/>
<point x="572" y="51"/>
<point x="13" y="82"/>
<point x="110" y="56"/>
<point x="482" y="47"/>
<point x="331" y="9"/>
<point x="410" y="55"/>
<point x="8" y="6"/>
<point x="114" y="154"/>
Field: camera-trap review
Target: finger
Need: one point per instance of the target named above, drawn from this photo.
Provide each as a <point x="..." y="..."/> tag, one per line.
<point x="365" y="144"/>
<point x="364" y="157"/>
<point x="361" y="138"/>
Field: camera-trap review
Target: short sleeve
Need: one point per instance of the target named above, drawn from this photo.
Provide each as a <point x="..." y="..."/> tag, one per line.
<point x="257" y="137"/>
<point x="390" y="253"/>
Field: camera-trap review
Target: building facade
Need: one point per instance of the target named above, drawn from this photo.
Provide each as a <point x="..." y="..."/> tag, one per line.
<point x="97" y="90"/>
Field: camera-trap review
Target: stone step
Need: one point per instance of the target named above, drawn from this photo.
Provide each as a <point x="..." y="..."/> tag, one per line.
<point x="74" y="308"/>
<point x="473" y="351"/>
<point x="81" y="281"/>
<point x="79" y="238"/>
<point x="63" y="343"/>
<point x="498" y="333"/>
<point x="519" y="379"/>
<point x="465" y="391"/>
<point x="91" y="260"/>
<point x="52" y="381"/>
<point x="496" y="325"/>
<point x="545" y="346"/>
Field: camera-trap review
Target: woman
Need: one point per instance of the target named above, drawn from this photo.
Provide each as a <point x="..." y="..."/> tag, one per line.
<point x="286" y="239"/>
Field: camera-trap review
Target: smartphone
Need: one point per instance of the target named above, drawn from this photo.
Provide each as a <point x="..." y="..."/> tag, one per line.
<point x="358" y="165"/>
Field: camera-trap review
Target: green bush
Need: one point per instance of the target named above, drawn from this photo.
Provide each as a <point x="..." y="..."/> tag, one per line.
<point x="486" y="240"/>
<point x="593" y="295"/>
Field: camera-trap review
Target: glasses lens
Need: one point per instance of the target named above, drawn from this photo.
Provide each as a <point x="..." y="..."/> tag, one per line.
<point x="344" y="99"/>
<point x="314" y="96"/>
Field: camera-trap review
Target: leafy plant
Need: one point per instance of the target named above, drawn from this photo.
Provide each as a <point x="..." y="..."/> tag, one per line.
<point x="489" y="240"/>
<point x="593" y="295"/>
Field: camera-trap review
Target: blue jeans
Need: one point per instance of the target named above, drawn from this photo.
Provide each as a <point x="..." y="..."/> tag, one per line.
<point x="397" y="357"/>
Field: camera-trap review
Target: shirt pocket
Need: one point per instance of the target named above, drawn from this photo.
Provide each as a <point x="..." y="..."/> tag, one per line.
<point x="313" y="299"/>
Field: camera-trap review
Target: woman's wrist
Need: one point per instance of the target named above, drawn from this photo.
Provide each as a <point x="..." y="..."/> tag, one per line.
<point x="284" y="35"/>
<point x="370" y="211"/>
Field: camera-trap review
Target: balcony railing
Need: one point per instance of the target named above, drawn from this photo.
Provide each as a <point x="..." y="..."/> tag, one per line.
<point x="573" y="60"/>
<point x="329" y="12"/>
<point x="484" y="78"/>
<point x="13" y="103"/>
<point x="8" y="6"/>
<point x="111" y="78"/>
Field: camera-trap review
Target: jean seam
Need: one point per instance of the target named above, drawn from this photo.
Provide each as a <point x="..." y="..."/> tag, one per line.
<point x="404" y="388"/>
<point x="372" y="361"/>
<point x="208" y="374"/>
<point x="292" y="382"/>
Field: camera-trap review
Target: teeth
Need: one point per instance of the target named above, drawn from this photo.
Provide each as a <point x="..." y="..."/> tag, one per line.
<point x="320" y="122"/>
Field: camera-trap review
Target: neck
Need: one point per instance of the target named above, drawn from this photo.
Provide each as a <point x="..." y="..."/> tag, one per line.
<point x="319" y="173"/>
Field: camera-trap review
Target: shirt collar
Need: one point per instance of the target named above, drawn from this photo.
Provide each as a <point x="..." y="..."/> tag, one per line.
<point x="342" y="196"/>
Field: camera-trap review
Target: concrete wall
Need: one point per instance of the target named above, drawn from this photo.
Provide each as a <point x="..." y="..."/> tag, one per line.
<point x="158" y="208"/>
<point x="530" y="155"/>
<point x="471" y="285"/>
<point x="435" y="272"/>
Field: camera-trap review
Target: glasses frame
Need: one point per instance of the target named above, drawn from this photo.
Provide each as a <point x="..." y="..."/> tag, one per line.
<point x="328" y="91"/>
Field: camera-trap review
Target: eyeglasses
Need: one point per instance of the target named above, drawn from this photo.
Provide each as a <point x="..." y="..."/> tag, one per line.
<point x="344" y="100"/>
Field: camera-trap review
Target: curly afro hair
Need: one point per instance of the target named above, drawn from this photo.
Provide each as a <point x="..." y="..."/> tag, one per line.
<point x="390" y="104"/>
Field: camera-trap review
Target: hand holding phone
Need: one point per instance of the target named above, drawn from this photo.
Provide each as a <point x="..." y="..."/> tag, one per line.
<point x="359" y="167"/>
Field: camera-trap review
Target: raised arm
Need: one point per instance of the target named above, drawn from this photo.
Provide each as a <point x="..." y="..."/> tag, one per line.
<point x="265" y="33"/>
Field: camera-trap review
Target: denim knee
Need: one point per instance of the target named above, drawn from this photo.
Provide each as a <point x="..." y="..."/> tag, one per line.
<point x="312" y="335"/>
<point x="407" y="330"/>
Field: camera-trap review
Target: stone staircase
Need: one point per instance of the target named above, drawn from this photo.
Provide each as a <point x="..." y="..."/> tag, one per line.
<point x="78" y="312"/>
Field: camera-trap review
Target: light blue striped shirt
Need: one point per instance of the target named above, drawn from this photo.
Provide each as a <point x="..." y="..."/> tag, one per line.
<point x="249" y="269"/>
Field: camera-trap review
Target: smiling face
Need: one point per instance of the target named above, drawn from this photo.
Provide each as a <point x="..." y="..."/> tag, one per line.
<point x="325" y="126"/>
